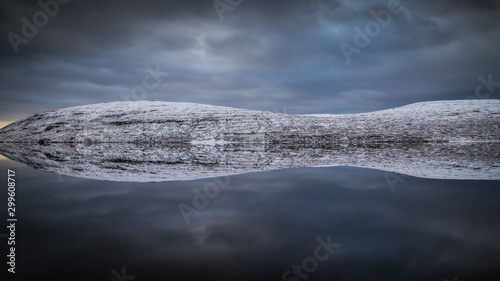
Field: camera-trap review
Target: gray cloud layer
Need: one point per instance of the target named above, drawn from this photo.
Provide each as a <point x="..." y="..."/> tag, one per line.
<point x="263" y="54"/>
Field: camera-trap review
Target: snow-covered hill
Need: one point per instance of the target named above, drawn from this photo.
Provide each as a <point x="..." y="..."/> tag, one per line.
<point x="158" y="141"/>
<point x="164" y="122"/>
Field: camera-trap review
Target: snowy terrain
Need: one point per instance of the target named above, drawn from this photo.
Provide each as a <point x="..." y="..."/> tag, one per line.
<point x="164" y="122"/>
<point x="155" y="163"/>
<point x="159" y="141"/>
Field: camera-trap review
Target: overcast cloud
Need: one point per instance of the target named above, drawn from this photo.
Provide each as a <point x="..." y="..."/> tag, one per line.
<point x="265" y="55"/>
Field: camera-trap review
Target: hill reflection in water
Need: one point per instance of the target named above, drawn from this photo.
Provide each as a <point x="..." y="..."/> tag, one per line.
<point x="156" y="163"/>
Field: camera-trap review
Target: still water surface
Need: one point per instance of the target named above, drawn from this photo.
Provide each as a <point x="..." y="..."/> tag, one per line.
<point x="259" y="226"/>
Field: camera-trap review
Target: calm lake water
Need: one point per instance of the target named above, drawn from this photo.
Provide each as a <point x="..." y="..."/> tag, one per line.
<point x="335" y="223"/>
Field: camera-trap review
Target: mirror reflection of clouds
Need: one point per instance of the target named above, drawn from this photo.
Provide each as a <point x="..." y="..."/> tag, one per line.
<point x="259" y="224"/>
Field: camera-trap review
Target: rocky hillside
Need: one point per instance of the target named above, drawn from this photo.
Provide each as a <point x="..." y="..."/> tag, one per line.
<point x="170" y="123"/>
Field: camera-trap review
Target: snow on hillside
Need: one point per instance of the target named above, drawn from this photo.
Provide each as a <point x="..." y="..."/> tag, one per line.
<point x="166" y="122"/>
<point x="159" y="141"/>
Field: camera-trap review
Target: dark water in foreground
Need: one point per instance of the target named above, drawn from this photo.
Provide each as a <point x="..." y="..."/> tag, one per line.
<point x="257" y="227"/>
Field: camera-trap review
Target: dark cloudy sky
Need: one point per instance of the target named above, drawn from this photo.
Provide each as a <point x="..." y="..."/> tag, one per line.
<point x="266" y="55"/>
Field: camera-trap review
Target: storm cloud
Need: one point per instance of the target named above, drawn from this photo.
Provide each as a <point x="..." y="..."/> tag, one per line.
<point x="254" y="54"/>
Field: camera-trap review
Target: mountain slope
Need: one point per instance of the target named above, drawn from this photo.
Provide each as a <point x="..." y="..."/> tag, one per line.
<point x="165" y="122"/>
<point x="158" y="141"/>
